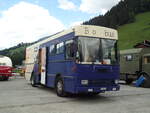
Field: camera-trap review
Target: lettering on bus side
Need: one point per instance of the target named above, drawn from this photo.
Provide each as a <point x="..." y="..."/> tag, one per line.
<point x="87" y="31"/>
<point x="109" y="34"/>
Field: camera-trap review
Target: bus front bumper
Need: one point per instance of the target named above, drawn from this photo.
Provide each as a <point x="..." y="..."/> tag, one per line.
<point x="100" y="89"/>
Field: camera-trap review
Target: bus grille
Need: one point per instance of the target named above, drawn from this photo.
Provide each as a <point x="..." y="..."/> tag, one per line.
<point x="101" y="82"/>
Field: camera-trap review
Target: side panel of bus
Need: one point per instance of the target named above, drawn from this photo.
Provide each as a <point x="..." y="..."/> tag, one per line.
<point x="56" y="64"/>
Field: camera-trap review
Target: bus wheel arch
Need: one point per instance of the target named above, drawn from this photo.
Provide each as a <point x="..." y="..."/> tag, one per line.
<point x="58" y="75"/>
<point x="59" y="86"/>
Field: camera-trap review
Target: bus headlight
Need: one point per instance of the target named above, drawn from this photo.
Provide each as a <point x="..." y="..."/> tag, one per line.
<point x="116" y="81"/>
<point x="84" y="82"/>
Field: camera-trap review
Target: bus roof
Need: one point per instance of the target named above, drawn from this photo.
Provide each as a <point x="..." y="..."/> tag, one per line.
<point x="83" y="30"/>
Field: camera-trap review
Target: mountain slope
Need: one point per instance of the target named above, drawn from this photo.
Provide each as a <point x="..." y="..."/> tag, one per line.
<point x="130" y="34"/>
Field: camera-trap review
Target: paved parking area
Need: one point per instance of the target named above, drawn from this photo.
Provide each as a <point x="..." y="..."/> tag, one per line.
<point x="18" y="96"/>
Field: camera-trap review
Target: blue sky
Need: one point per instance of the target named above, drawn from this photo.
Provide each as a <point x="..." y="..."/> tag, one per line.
<point x="29" y="20"/>
<point x="66" y="16"/>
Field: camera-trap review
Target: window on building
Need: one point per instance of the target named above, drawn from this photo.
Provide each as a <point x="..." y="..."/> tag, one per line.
<point x="129" y="57"/>
<point x="147" y="59"/>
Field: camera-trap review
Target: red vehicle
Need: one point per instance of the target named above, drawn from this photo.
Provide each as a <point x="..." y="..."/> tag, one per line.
<point x="5" y="68"/>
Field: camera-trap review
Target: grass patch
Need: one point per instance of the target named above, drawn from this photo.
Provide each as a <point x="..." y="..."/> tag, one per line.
<point x="130" y="34"/>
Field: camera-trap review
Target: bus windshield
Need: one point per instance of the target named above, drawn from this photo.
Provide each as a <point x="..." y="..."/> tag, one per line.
<point x="97" y="50"/>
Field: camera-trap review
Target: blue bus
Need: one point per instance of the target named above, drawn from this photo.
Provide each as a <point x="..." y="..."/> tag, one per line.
<point x="83" y="59"/>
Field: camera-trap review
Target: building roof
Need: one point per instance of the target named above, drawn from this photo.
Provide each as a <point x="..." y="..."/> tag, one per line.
<point x="144" y="44"/>
<point x="131" y="51"/>
<point x="148" y="54"/>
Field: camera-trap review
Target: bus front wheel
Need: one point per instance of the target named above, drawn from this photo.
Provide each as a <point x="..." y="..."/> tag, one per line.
<point x="59" y="87"/>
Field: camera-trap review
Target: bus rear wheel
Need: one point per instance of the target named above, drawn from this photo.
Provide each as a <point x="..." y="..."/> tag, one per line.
<point x="59" y="87"/>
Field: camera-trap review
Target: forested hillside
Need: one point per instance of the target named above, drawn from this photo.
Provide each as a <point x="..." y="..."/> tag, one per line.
<point x="16" y="53"/>
<point x="124" y="12"/>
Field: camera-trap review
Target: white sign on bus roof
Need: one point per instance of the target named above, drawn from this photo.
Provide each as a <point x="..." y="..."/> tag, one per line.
<point x="96" y="31"/>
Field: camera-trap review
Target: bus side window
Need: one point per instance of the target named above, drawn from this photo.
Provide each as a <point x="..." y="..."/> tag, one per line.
<point x="52" y="49"/>
<point x="60" y="48"/>
<point x="69" y="49"/>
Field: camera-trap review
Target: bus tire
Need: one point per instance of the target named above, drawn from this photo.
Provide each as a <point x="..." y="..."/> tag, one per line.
<point x="59" y="87"/>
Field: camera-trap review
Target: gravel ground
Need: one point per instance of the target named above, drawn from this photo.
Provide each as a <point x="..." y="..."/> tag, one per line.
<point x="17" y="96"/>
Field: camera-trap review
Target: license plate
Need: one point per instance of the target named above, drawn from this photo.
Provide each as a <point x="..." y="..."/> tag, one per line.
<point x="103" y="88"/>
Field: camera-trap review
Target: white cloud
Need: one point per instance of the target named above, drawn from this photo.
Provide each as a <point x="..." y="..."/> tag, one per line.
<point x="66" y="5"/>
<point x="26" y="22"/>
<point x="97" y="6"/>
<point x="76" y="23"/>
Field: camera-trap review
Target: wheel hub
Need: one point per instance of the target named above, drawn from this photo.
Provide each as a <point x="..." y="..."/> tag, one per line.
<point x="59" y="87"/>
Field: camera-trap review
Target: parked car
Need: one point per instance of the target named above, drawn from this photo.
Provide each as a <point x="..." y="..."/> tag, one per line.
<point x="5" y="68"/>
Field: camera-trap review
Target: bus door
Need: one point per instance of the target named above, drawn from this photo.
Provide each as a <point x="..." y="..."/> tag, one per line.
<point x="43" y="65"/>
